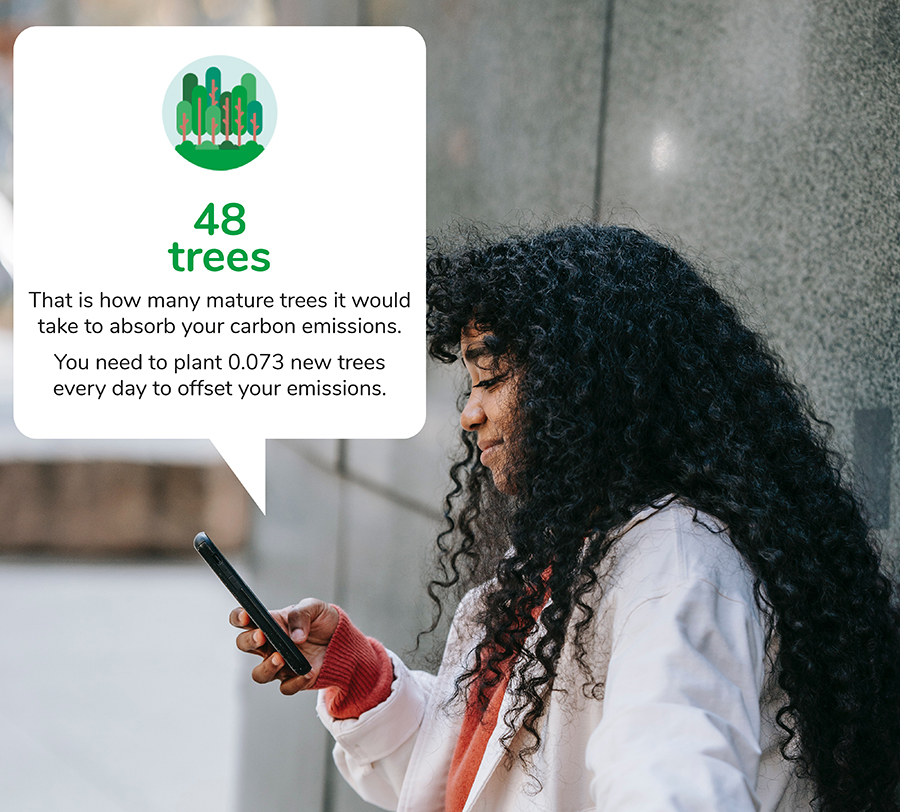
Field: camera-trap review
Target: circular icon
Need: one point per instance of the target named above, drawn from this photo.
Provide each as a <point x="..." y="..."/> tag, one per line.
<point x="219" y="112"/>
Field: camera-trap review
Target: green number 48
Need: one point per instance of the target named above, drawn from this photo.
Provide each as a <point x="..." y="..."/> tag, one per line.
<point x="232" y="219"/>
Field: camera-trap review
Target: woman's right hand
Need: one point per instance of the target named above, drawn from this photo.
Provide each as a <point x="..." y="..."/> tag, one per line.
<point x="310" y="624"/>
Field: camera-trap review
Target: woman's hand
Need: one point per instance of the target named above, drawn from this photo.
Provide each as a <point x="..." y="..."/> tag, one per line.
<point x="310" y="624"/>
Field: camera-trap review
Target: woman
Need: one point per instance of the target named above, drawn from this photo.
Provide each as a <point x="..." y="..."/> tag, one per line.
<point x="678" y="603"/>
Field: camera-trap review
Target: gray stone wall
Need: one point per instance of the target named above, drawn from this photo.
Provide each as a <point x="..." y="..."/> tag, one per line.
<point x="763" y="135"/>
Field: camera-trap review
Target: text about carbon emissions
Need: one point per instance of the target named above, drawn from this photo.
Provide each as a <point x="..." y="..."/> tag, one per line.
<point x="252" y="366"/>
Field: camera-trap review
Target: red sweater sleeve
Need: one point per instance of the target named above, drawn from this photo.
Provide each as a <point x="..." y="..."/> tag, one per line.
<point x="357" y="672"/>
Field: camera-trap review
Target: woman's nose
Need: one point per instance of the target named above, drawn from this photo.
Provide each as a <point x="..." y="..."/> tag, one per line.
<point x="472" y="415"/>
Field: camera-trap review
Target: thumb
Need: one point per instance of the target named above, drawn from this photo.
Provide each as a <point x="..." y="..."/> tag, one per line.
<point x="301" y="616"/>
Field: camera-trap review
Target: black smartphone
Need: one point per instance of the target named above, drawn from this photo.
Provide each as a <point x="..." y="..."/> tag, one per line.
<point x="245" y="597"/>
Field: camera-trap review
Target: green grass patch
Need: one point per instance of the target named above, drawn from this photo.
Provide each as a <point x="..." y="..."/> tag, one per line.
<point x="210" y="157"/>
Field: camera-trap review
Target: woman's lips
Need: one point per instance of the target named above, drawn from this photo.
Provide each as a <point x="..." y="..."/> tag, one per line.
<point x="488" y="452"/>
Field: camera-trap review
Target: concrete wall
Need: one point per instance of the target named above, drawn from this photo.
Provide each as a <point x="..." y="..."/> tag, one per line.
<point x="762" y="134"/>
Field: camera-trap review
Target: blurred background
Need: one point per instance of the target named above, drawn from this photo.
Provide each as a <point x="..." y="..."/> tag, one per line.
<point x="762" y="134"/>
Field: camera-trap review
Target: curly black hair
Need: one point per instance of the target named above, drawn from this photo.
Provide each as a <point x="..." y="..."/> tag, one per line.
<point x="636" y="379"/>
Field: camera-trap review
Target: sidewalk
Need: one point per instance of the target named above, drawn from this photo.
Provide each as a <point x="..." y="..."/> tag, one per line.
<point x="118" y="681"/>
<point x="118" y="688"/>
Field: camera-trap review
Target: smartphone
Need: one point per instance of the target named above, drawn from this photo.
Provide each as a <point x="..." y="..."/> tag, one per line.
<point x="258" y="613"/>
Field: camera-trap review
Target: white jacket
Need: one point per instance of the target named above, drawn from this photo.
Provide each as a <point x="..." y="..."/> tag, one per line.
<point x="685" y="722"/>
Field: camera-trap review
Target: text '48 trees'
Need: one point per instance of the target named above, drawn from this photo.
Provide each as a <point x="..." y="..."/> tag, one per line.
<point x="219" y="130"/>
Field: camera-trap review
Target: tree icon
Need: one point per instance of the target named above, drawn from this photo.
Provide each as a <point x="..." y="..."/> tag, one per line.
<point x="225" y="104"/>
<point x="213" y="121"/>
<point x="198" y="112"/>
<point x="183" y="119"/>
<point x="213" y="84"/>
<point x="255" y="118"/>
<point x="221" y="120"/>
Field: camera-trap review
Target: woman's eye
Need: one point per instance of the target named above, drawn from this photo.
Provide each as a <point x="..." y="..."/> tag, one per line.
<point x="490" y="382"/>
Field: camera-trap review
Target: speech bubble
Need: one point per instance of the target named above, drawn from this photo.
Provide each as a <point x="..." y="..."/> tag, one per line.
<point x="170" y="287"/>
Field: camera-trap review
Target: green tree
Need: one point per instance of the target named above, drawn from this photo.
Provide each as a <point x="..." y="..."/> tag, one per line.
<point x="239" y="111"/>
<point x="183" y="119"/>
<point x="254" y="118"/>
<point x="248" y="80"/>
<point x="213" y="85"/>
<point x="213" y="121"/>
<point x="198" y="111"/>
<point x="188" y="83"/>
<point x="225" y="104"/>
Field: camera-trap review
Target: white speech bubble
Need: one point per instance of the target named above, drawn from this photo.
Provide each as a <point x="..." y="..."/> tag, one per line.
<point x="307" y="321"/>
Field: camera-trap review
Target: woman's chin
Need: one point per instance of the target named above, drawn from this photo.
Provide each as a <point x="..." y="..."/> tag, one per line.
<point x="502" y="482"/>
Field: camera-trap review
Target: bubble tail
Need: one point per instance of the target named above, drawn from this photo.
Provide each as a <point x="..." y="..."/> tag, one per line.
<point x="246" y="456"/>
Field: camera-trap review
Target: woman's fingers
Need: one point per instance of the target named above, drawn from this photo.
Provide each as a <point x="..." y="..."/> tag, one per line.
<point x="273" y="668"/>
<point x="239" y="618"/>
<point x="292" y="684"/>
<point x="268" y="669"/>
<point x="253" y="641"/>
